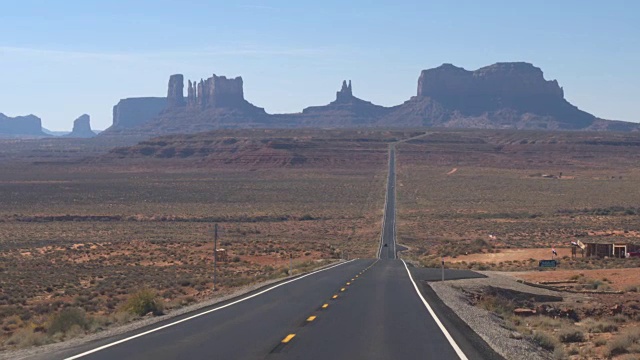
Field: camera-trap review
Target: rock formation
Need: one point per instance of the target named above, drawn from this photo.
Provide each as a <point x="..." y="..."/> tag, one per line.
<point x="499" y="96"/>
<point x="82" y="127"/>
<point x="175" y="93"/>
<point x="345" y="111"/>
<point x="216" y="92"/>
<point x="129" y="113"/>
<point x="346" y="93"/>
<point x="503" y="95"/>
<point x="21" y="126"/>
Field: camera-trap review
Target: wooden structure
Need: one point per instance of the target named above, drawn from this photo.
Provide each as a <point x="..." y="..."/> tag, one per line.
<point x="611" y="250"/>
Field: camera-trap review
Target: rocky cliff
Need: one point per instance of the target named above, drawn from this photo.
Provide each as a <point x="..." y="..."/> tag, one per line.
<point x="217" y="102"/>
<point x="82" y="127"/>
<point x="503" y="95"/>
<point x="21" y="126"/>
<point x="132" y="112"/>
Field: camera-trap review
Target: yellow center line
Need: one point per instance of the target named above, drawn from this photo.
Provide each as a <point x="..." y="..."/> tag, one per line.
<point x="335" y="297"/>
<point x="348" y="283"/>
<point x="311" y="318"/>
<point x="325" y="306"/>
<point x="343" y="289"/>
<point x="288" y="338"/>
<point x="353" y="279"/>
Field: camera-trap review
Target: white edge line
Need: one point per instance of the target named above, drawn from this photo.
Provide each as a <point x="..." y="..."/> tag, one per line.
<point x="199" y="314"/>
<point x="455" y="346"/>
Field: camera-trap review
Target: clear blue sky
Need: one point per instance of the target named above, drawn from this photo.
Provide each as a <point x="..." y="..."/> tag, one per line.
<point x="59" y="59"/>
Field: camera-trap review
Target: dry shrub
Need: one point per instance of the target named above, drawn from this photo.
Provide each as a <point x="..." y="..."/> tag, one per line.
<point x="143" y="302"/>
<point x="627" y="342"/>
<point x="67" y="319"/>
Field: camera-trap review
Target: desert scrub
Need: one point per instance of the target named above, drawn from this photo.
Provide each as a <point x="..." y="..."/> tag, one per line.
<point x="570" y="335"/>
<point x="143" y="302"/>
<point x="545" y="340"/>
<point x="596" y="327"/>
<point x="627" y="342"/>
<point x="69" y="319"/>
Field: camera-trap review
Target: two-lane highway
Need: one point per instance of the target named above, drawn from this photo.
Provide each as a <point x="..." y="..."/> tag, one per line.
<point x="361" y="309"/>
<point x="388" y="234"/>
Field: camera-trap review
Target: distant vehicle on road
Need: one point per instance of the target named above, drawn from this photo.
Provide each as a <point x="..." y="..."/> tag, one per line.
<point x="385" y="245"/>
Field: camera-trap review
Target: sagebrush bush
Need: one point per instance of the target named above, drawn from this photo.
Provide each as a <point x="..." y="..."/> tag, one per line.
<point x="63" y="321"/>
<point x="143" y="302"/>
<point x="571" y="335"/>
<point x="545" y="341"/>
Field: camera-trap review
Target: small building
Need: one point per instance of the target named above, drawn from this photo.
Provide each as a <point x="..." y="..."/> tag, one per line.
<point x="616" y="249"/>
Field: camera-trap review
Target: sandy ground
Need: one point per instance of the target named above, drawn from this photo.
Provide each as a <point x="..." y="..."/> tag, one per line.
<point x="618" y="279"/>
<point x="512" y="255"/>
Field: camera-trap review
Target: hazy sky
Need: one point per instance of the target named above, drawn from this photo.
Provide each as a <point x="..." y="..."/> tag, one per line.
<point x="59" y="59"/>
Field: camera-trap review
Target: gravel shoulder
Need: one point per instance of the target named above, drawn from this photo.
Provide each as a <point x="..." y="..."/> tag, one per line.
<point x="488" y="326"/>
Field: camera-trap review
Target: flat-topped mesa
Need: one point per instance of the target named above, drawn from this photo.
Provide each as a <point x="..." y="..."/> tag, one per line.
<point x="500" y="80"/>
<point x="215" y="92"/>
<point x="175" y="93"/>
<point x="346" y="93"/>
<point x="29" y="125"/>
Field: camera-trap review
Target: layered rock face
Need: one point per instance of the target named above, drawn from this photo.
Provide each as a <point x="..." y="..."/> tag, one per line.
<point x="503" y="95"/>
<point x="82" y="127"/>
<point x="29" y="125"/>
<point x="132" y="112"/>
<point x="214" y="92"/>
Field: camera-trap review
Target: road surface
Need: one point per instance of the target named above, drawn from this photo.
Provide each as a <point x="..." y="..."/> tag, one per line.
<point x="360" y="309"/>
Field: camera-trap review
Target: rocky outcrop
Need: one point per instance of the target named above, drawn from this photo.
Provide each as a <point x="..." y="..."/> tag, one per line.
<point x="132" y="112"/>
<point x="21" y="126"/>
<point x="500" y="96"/>
<point x="345" y="111"/>
<point x="216" y="92"/>
<point x="175" y="93"/>
<point x="214" y="103"/>
<point x="82" y="127"/>
<point x="501" y="80"/>
<point x="503" y="95"/>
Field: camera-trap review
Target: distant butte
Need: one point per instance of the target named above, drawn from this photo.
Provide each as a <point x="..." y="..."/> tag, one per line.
<point x="512" y="95"/>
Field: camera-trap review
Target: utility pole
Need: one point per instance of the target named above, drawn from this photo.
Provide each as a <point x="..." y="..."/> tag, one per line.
<point x="215" y="254"/>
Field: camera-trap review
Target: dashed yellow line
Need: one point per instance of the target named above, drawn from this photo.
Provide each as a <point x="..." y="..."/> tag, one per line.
<point x="311" y="318"/>
<point x="325" y="306"/>
<point x="334" y="297"/>
<point x="288" y="338"/>
<point x="343" y="289"/>
<point x="348" y="283"/>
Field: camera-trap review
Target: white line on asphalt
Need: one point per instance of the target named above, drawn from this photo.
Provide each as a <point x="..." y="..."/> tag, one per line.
<point x="199" y="314"/>
<point x="455" y="346"/>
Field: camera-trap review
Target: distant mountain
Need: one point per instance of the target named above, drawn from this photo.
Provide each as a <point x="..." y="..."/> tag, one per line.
<point x="500" y="96"/>
<point x="21" y="126"/>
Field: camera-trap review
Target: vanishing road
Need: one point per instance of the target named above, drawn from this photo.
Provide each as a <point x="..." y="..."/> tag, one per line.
<point x="359" y="309"/>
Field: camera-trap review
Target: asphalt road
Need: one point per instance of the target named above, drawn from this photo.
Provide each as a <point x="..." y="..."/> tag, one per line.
<point x="388" y="238"/>
<point x="361" y="309"/>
